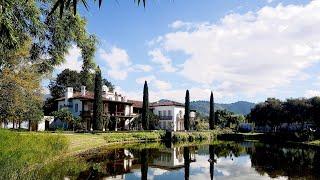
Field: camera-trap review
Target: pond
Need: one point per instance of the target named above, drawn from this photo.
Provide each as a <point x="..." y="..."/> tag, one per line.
<point x="220" y="160"/>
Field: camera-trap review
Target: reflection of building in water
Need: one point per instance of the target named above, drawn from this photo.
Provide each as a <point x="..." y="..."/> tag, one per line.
<point x="171" y="158"/>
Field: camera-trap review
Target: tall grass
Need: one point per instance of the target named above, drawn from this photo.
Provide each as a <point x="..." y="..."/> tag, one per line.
<point x="29" y="155"/>
<point x="134" y="136"/>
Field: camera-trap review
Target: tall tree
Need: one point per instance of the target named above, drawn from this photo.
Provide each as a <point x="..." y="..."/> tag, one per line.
<point x="145" y="107"/>
<point x="98" y="103"/>
<point x="187" y="112"/>
<point x="211" y="115"/>
<point x="20" y="91"/>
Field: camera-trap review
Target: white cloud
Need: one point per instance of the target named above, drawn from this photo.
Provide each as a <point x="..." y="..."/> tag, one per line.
<point x="141" y="80"/>
<point x="311" y="93"/>
<point x="143" y="68"/>
<point x="73" y="60"/>
<point x="159" y="58"/>
<point x="162" y="85"/>
<point x="118" y="61"/>
<point x="152" y="80"/>
<point x="247" y="53"/>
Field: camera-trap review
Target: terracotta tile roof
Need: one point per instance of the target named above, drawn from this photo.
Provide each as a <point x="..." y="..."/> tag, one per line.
<point x="137" y="104"/>
<point x="166" y="103"/>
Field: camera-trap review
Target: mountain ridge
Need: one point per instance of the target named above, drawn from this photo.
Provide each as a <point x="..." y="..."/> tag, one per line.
<point x="239" y="107"/>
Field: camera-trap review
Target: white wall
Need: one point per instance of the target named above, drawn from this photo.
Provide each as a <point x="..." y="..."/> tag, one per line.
<point x="42" y="123"/>
<point x="127" y="110"/>
<point x="175" y="110"/>
<point x="72" y="109"/>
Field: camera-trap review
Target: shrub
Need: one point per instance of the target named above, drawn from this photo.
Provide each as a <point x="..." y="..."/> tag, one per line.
<point x="134" y="136"/>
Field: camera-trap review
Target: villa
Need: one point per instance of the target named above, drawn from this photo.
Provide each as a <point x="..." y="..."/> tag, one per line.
<point x="80" y="104"/>
<point x="171" y="114"/>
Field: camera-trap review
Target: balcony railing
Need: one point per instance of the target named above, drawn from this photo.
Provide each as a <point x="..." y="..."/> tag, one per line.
<point x="165" y="117"/>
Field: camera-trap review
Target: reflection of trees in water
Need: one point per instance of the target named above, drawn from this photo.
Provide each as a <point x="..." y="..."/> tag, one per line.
<point x="144" y="163"/>
<point x="228" y="149"/>
<point x="186" y="155"/>
<point x="294" y="162"/>
<point x="211" y="161"/>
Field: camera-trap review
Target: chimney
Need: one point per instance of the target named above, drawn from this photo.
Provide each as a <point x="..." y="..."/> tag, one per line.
<point x="83" y="90"/>
<point x="105" y="89"/>
<point x="68" y="94"/>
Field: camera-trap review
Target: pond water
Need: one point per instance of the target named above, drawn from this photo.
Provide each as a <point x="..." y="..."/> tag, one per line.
<point x="221" y="160"/>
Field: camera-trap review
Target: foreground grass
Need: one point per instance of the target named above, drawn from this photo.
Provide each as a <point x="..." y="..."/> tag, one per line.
<point x="34" y="156"/>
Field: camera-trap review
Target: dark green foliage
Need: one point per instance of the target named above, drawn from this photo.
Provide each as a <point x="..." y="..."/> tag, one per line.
<point x="98" y="103"/>
<point x="211" y="114"/>
<point x="224" y="118"/>
<point x="70" y="78"/>
<point x="273" y="112"/>
<point x="63" y="5"/>
<point x="187" y="112"/>
<point x="153" y="120"/>
<point x="145" y="107"/>
<point x="240" y="107"/>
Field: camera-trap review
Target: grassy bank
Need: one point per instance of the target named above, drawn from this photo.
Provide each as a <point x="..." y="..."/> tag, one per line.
<point x="31" y="155"/>
<point x="134" y="136"/>
<point x="194" y="136"/>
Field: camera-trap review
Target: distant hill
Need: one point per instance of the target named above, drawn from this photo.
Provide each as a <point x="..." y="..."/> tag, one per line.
<point x="240" y="107"/>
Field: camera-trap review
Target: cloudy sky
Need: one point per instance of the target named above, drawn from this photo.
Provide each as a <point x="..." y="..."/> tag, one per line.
<point x="239" y="49"/>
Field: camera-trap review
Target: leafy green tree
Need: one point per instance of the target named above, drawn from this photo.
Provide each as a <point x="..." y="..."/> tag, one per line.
<point x="66" y="116"/>
<point x="187" y="111"/>
<point x="20" y="91"/>
<point x="72" y="4"/>
<point x="314" y="110"/>
<point x="51" y="36"/>
<point x="145" y="107"/>
<point x="98" y="103"/>
<point x="211" y="114"/>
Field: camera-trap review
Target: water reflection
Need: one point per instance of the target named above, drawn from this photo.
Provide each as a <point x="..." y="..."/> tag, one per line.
<point x="221" y="160"/>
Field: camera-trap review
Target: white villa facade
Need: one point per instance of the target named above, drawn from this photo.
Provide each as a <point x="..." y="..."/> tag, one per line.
<point x="171" y="115"/>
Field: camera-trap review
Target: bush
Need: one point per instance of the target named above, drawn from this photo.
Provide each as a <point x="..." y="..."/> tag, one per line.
<point x="194" y="136"/>
<point x="134" y="136"/>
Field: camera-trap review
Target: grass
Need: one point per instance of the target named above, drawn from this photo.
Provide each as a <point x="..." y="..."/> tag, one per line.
<point x="33" y="155"/>
<point x="134" y="136"/>
<point x="197" y="135"/>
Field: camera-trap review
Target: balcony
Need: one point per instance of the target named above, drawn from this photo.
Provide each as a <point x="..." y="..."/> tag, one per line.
<point x="165" y="117"/>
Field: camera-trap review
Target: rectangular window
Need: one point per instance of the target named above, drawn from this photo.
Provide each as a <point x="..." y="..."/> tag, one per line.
<point x="159" y="113"/>
<point x="76" y="108"/>
<point x="169" y="112"/>
<point x="164" y="113"/>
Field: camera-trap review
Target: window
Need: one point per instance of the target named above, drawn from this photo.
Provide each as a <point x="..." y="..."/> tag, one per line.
<point x="164" y="113"/>
<point x="159" y="113"/>
<point x="169" y="112"/>
<point x="76" y="108"/>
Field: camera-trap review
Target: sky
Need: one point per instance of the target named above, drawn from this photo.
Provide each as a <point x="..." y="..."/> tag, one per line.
<point x="240" y="49"/>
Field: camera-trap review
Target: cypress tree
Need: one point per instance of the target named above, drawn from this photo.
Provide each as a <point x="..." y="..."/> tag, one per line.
<point x="211" y="115"/>
<point x="145" y="107"/>
<point x="187" y="112"/>
<point x="98" y="103"/>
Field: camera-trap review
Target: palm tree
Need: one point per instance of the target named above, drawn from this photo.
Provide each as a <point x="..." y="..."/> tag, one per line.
<point x="68" y="4"/>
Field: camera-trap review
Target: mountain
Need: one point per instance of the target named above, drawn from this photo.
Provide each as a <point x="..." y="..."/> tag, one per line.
<point x="240" y="107"/>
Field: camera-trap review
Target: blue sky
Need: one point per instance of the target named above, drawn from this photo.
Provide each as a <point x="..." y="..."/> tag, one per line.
<point x="241" y="50"/>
